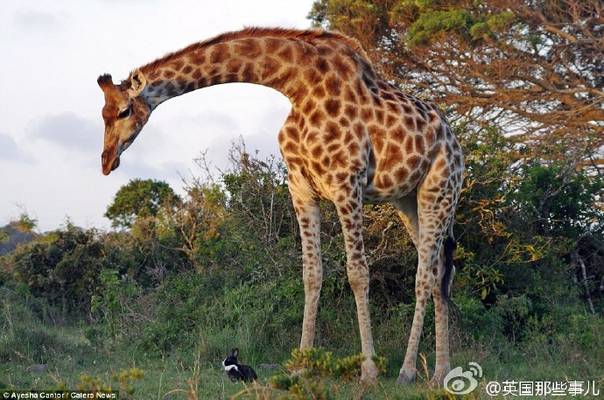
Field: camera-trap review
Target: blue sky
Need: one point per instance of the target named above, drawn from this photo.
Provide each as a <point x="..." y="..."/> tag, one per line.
<point x="51" y="130"/>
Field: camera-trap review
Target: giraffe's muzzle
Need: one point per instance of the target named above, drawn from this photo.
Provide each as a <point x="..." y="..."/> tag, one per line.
<point x="110" y="160"/>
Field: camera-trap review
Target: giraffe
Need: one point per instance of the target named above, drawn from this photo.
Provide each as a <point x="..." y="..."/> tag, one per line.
<point x="351" y="137"/>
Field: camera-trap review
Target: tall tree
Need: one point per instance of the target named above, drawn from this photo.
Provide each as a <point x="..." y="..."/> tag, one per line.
<point x="140" y="198"/>
<point x="533" y="68"/>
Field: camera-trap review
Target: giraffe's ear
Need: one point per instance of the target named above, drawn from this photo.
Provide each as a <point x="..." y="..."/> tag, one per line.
<point x="137" y="83"/>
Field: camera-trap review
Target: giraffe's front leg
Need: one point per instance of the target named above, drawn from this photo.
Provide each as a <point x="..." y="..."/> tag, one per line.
<point x="351" y="218"/>
<point x="308" y="216"/>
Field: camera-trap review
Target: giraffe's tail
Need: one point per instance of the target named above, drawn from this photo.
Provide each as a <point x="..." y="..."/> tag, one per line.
<point x="445" y="287"/>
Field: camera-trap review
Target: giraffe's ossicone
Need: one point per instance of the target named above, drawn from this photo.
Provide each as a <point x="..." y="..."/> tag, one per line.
<point x="350" y="137"/>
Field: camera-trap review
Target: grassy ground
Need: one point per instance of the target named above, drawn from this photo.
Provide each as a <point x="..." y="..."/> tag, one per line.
<point x="170" y="379"/>
<point x="70" y="360"/>
<point x="75" y="363"/>
<point x="176" y="379"/>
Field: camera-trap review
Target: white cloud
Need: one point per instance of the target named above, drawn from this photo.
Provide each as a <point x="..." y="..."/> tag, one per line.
<point x="10" y="151"/>
<point x="30" y="20"/>
<point x="68" y="130"/>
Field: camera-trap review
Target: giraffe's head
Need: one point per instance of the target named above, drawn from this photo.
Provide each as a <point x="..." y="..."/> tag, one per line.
<point x="125" y="113"/>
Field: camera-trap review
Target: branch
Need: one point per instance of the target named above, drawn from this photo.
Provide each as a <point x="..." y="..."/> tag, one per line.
<point x="585" y="284"/>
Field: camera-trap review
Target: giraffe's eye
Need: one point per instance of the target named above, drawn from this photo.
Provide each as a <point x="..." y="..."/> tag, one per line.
<point x="125" y="113"/>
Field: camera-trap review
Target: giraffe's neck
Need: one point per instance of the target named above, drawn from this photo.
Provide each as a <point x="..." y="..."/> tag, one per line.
<point x="274" y="62"/>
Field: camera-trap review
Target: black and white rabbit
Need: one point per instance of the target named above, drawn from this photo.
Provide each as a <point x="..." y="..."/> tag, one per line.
<point x="238" y="372"/>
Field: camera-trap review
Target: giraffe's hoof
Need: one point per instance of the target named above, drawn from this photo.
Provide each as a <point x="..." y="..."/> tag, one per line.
<point x="369" y="372"/>
<point x="439" y="376"/>
<point x="406" y="377"/>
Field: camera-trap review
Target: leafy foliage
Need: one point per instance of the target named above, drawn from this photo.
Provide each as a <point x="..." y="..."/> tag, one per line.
<point x="308" y="371"/>
<point x="222" y="269"/>
<point x="123" y="382"/>
<point x="529" y="68"/>
<point x="61" y="267"/>
<point x="140" y="199"/>
<point x="318" y="362"/>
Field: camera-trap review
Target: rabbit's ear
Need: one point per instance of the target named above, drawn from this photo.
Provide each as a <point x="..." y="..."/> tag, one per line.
<point x="235" y="352"/>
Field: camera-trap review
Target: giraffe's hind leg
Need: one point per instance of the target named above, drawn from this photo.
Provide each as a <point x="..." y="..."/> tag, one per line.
<point x="436" y="197"/>
<point x="441" y="311"/>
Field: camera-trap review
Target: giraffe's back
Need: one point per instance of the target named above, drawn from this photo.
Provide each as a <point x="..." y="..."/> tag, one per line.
<point x="350" y="122"/>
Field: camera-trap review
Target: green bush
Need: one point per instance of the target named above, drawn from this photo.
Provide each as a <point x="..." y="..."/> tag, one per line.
<point x="218" y="272"/>
<point x="26" y="338"/>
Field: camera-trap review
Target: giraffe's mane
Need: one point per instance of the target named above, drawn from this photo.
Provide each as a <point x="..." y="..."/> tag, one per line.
<point x="308" y="35"/>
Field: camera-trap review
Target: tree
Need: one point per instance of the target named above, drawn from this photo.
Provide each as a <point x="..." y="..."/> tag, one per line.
<point x="532" y="68"/>
<point x="61" y="266"/>
<point x="522" y="82"/>
<point x="138" y="199"/>
<point x="257" y="189"/>
<point x="25" y="223"/>
<point x="18" y="231"/>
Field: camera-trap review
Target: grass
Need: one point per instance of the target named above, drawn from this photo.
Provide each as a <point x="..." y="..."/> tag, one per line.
<point x="74" y="363"/>
<point x="175" y="379"/>
<point x="572" y="351"/>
